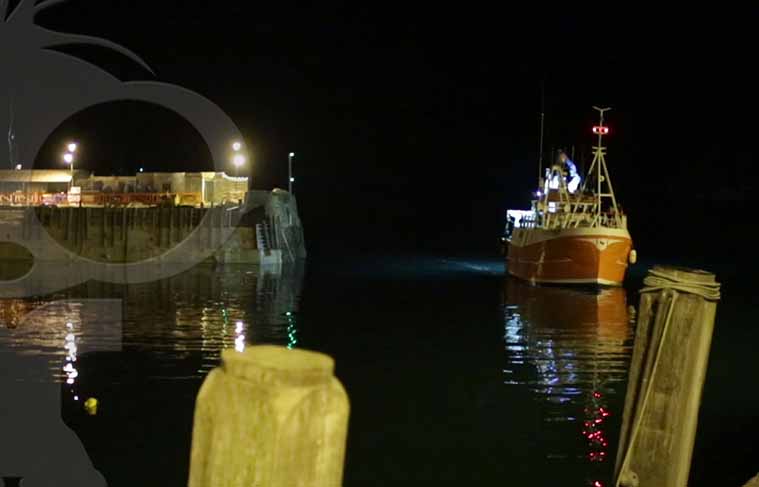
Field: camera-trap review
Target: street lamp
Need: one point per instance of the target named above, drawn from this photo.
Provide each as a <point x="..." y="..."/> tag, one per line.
<point x="290" y="177"/>
<point x="69" y="158"/>
<point x="238" y="160"/>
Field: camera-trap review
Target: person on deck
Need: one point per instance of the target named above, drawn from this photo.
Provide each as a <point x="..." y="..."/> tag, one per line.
<point x="574" y="178"/>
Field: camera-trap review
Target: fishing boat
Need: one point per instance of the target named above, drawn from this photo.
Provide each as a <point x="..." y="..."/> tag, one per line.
<point x="573" y="233"/>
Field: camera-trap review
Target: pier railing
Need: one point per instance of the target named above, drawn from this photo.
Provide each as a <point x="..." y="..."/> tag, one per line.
<point x="100" y="198"/>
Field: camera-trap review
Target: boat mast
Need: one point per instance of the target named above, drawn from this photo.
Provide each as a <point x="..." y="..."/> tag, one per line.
<point x="542" y="122"/>
<point x="600" y="155"/>
<point x="602" y="173"/>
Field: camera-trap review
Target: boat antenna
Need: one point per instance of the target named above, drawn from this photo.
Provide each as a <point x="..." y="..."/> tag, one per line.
<point x="542" y="123"/>
<point x="11" y="133"/>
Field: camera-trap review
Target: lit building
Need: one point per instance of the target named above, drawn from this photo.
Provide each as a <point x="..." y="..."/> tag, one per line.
<point x="43" y="186"/>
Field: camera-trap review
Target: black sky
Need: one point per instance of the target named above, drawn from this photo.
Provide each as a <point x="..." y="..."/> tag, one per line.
<point x="420" y="122"/>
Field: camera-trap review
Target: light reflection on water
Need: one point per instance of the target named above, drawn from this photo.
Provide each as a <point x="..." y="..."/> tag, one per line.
<point x="570" y="348"/>
<point x="190" y="317"/>
<point x="565" y="350"/>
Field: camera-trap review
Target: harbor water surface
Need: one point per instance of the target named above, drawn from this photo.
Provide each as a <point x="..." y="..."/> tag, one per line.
<point x="457" y="374"/>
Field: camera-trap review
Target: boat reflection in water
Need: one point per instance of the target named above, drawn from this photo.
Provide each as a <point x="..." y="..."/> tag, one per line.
<point x="571" y="348"/>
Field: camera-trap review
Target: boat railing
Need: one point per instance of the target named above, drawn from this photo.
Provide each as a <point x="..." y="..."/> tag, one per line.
<point x="585" y="219"/>
<point x="567" y="219"/>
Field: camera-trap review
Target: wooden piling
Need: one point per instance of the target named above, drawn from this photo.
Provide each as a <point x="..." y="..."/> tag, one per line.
<point x="171" y="224"/>
<point x="113" y="228"/>
<point x="123" y="223"/>
<point x="87" y="220"/>
<point x="673" y="337"/>
<point x="126" y="234"/>
<point x="159" y="225"/>
<point x="103" y="218"/>
<point x="270" y="417"/>
<point x="67" y="225"/>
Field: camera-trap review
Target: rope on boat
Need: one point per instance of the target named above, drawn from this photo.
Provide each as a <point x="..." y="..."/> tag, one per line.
<point x="670" y="287"/>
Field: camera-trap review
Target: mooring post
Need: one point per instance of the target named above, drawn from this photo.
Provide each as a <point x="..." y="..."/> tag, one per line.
<point x="672" y="341"/>
<point x="270" y="416"/>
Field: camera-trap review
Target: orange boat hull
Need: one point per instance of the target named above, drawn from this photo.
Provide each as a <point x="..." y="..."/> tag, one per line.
<point x="570" y="256"/>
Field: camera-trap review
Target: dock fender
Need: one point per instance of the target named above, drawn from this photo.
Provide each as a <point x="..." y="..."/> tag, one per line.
<point x="633" y="257"/>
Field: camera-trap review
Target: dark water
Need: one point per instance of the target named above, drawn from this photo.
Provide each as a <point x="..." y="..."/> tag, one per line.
<point x="457" y="374"/>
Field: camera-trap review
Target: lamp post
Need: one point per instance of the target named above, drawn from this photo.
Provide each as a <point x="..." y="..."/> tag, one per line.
<point x="238" y="160"/>
<point x="69" y="156"/>
<point x="290" y="178"/>
<point x="69" y="159"/>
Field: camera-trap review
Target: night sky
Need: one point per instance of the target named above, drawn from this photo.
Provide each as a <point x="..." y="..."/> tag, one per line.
<point x="417" y="126"/>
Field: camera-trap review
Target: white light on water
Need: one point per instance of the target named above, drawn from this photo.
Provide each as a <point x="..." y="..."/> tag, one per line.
<point x="71" y="352"/>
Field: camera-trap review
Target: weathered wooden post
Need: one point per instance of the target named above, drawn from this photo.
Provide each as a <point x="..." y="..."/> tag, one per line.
<point x="270" y="417"/>
<point x="672" y="341"/>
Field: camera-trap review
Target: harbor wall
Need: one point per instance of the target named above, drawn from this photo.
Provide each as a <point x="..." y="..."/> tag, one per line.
<point x="123" y="234"/>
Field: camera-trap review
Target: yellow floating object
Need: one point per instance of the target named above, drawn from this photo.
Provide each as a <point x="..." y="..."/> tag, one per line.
<point x="91" y="406"/>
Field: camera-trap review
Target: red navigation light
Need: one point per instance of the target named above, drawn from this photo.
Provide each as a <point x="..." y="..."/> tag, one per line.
<point x="600" y="130"/>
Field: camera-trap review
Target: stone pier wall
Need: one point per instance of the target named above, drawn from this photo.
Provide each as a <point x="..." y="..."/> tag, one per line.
<point x="136" y="234"/>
